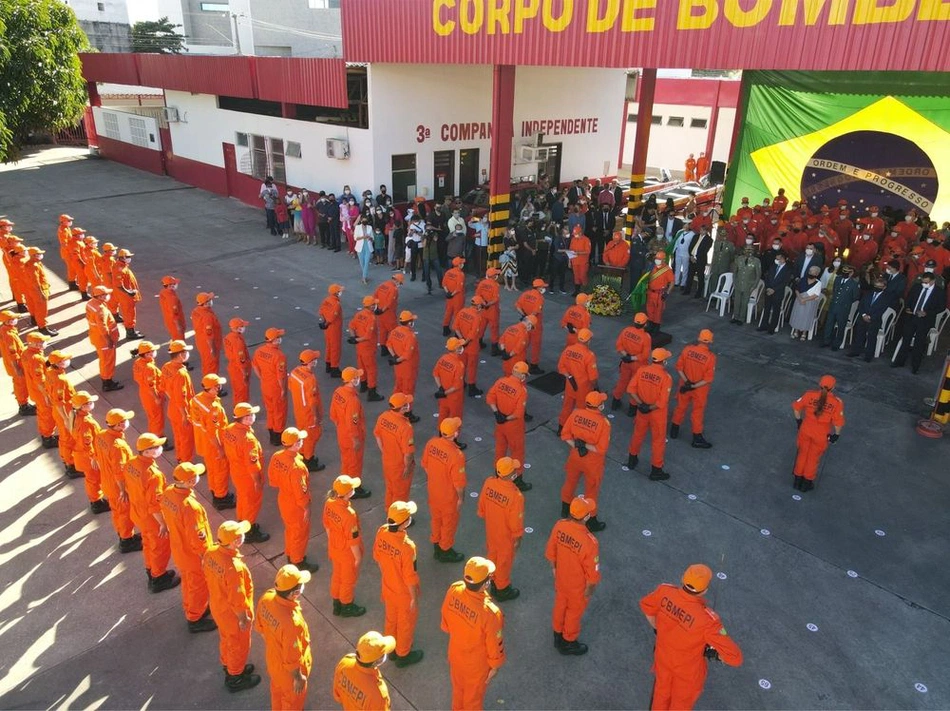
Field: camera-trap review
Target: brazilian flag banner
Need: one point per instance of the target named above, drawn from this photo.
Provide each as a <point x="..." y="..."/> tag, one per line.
<point x="871" y="138"/>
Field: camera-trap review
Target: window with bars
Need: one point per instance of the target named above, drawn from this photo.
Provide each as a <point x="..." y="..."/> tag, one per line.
<point x="266" y="157"/>
<point x="139" y="132"/>
<point x="111" y="122"/>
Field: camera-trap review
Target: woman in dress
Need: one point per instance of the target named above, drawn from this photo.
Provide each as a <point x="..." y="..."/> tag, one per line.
<point x="309" y="217"/>
<point x="806" y="304"/>
<point x="363" y="245"/>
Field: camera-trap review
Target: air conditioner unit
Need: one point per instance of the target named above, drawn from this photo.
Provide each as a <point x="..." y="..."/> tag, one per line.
<point x="338" y="149"/>
<point x="532" y="154"/>
<point x="170" y="114"/>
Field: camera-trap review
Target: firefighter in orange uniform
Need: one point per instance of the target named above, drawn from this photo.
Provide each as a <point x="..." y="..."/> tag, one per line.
<point x="397" y="447"/>
<point x="148" y="376"/>
<point x="288" y="474"/>
<point x="501" y="504"/>
<point x="37" y="290"/>
<point x="702" y="165"/>
<point x="453" y="284"/>
<point x="681" y="650"/>
<point x="231" y="590"/>
<point x="649" y="392"/>
<point x="364" y="335"/>
<point x="144" y="484"/>
<point x="33" y="363"/>
<point x="696" y="367"/>
<point x="580" y="262"/>
<point x="574" y="554"/>
<point x="575" y="318"/>
<point x="344" y="545"/>
<point x="208" y="337"/>
<point x="449" y="375"/>
<point x="531" y="303"/>
<point x="126" y="289"/>
<point x="245" y="463"/>
<point x="15" y="259"/>
<point x="587" y="432"/>
<point x="93" y="257"/>
<point x="64" y="234"/>
<point x="395" y="553"/>
<point x="59" y="392"/>
<point x="104" y="335"/>
<point x="180" y="392"/>
<point x="280" y="621"/>
<point x="617" y="252"/>
<point x="578" y="365"/>
<point x="820" y="417"/>
<point x="106" y="262"/>
<point x="173" y="313"/>
<point x="387" y="306"/>
<point x="444" y="465"/>
<point x="189" y="534"/>
<point x="690" y="172"/>
<point x="308" y="406"/>
<point x="659" y="285"/>
<point x="11" y="351"/>
<point x="508" y="400"/>
<point x="634" y="345"/>
<point x="76" y="265"/>
<point x="209" y="419"/>
<point x="357" y="681"/>
<point x="113" y="452"/>
<point x="331" y="323"/>
<point x="403" y="346"/>
<point x="514" y="343"/>
<point x="270" y="365"/>
<point x="346" y="412"/>
<point x="85" y="431"/>
<point x="475" y="626"/>
<point x="468" y="328"/>
<point x="490" y="292"/>
<point x="239" y="360"/>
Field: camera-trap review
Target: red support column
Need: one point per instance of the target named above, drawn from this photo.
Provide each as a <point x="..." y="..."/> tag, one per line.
<point x="646" y="90"/>
<point x="93" y="90"/>
<point x="499" y="179"/>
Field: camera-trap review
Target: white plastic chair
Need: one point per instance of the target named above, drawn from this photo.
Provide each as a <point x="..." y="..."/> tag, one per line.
<point x="849" y="327"/>
<point x="722" y="294"/>
<point x="887" y="330"/>
<point x="814" y="324"/>
<point x="754" y="299"/>
<point x="786" y="307"/>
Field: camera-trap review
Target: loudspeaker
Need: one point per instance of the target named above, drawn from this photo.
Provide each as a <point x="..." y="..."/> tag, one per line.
<point x="717" y="172"/>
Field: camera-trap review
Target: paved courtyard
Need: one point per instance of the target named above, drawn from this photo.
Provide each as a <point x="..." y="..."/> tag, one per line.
<point x="837" y="597"/>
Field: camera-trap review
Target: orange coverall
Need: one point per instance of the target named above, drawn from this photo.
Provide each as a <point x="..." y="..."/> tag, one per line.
<point x="151" y="392"/>
<point x="289" y="474"/>
<point x="690" y="172"/>
<point x="308" y="406"/>
<point x="208" y="338"/>
<point x="106" y="265"/>
<point x="331" y="315"/>
<point x="531" y="303"/>
<point x="177" y="383"/>
<point x="395" y="553"/>
<point x="635" y="343"/>
<point x="449" y="371"/>
<point x="575" y="554"/>
<point x="387" y="301"/>
<point x="64" y="233"/>
<point x="393" y="433"/>
<point x="403" y="344"/>
<point x="145" y="483"/>
<point x="489" y="290"/>
<point x="577" y="317"/>
<point x="126" y="292"/>
<point x="93" y="258"/>
<point x="85" y="430"/>
<point x="173" y="314"/>
<point x="239" y="366"/>
<point x="453" y="282"/>
<point x="580" y="245"/>
<point x="12" y="264"/>
<point x="245" y="462"/>
<point x="34" y="370"/>
<point x="11" y="350"/>
<point x="476" y="643"/>
<point x="60" y="393"/>
<point x="209" y="420"/>
<point x="501" y="504"/>
<point x="343" y="533"/>
<point x="36" y="290"/>
<point x="358" y="688"/>
<point x="698" y="363"/>
<point x="510" y="397"/>
<point x="346" y="412"/>
<point x="232" y="598"/>
<point x="270" y="364"/>
<point x="579" y="363"/>
<point x="684" y="627"/>
<point x="467" y="325"/>
<point x="363" y="325"/>
<point x="287" y="645"/>
<point x="617" y="253"/>
<point x="652" y="384"/>
<point x="189" y="534"/>
<point x="590" y="426"/>
<point x="76" y="265"/>
<point x="113" y="453"/>
<point x="104" y="335"/>
<point x="813" y="434"/>
<point x="444" y="465"/>
<point x="514" y="342"/>
<point x="658" y="283"/>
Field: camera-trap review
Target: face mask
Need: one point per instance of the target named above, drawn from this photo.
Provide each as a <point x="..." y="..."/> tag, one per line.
<point x="809" y="252"/>
<point x="866" y="237"/>
<point x="776" y="247"/>
<point x="745" y="222"/>
<point x="873" y="214"/>
<point x="356" y="382"/>
<point x="774" y="222"/>
<point x="541" y="291"/>
<point x="890" y="273"/>
<point x="928" y="270"/>
<point x="748" y="241"/>
<point x="65" y="364"/>
<point x="779" y="263"/>
<point x="837" y="263"/>
<point x="658" y="262"/>
<point x="908" y="218"/>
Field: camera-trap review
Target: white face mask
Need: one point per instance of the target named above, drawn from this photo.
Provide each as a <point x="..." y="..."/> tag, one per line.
<point x="809" y="252"/>
<point x="929" y="270"/>
<point x="908" y="218"/>
<point x="837" y="263"/>
<point x="866" y="237"/>
<point x="65" y="364"/>
<point x="658" y="262"/>
<point x="541" y="291"/>
<point x="776" y="247"/>
<point x="748" y="241"/>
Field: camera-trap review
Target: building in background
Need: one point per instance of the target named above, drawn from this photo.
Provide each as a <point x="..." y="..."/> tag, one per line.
<point x="105" y="22"/>
<point x="284" y="28"/>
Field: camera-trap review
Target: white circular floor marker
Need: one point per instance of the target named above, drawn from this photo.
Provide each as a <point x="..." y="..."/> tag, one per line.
<point x="852" y="574"/>
<point x="796" y="497"/>
<point x="922" y="688"/>
<point x="721" y="576"/>
<point x="691" y="497"/>
<point x="478" y="439"/>
<point x="528" y="529"/>
<point x="725" y="467"/>
<point x="879" y="532"/>
<point x="624" y="468"/>
<point x="474" y="494"/>
<point x="527" y="465"/>
<point x="765" y="683"/>
<point x="765" y="532"/>
<point x="646" y="533"/>
<point x="811" y="627"/>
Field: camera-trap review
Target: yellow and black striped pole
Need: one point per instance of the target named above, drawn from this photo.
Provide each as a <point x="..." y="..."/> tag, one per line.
<point x="646" y="89"/>
<point x="498" y="216"/>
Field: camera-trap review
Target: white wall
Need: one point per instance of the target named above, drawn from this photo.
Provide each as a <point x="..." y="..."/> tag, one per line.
<point x="145" y="134"/>
<point x="88" y="10"/>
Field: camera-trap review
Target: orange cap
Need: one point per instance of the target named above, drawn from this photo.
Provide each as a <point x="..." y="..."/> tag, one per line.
<point x="117" y="415"/>
<point x="37" y="338"/>
<point x="584" y="335"/>
<point x="477" y="570"/>
<point x="146" y="347"/>
<point x="204" y="297"/>
<point x="243" y="409"/>
<point x="407" y="316"/>
<point x="660" y="255"/>
<point x="506" y="466"/>
<point x="170" y="280"/>
<point x="124" y="253"/>
<point x="238" y="322"/>
<point x="101" y="290"/>
<point x="89" y="239"/>
<point x="344" y="484"/>
<point x="308" y="356"/>
<point x="8" y="315"/>
<point x="521" y="367"/>
<point x="458" y="261"/>
<point x="705" y="336"/>
<point x="450" y="425"/>
<point x="398" y="400"/>
<point x="399" y="511"/>
<point x="532" y="319"/>
<point x="453" y="344"/>
<point x="350" y="374"/>
<point x="229" y="531"/>
<point x="372" y="645"/>
<point x="291" y="436"/>
<point x="147" y="440"/>
<point x="212" y="380"/>
<point x="492" y="272"/>
<point x="581" y="299"/>
<point x="65" y="218"/>
<point x="369" y="300"/>
<point x="399" y="277"/>
<point x="289" y="577"/>
<point x="186" y="471"/>
<point x="660" y="354"/>
<point x="539" y="283"/>
<point x="82" y="397"/>
<point x="640" y="318"/>
<point x="478" y="300"/>
<point x="581" y="506"/>
<point x="827" y="381"/>
<point x="697" y="577"/>
<point x="179" y="347"/>
<point x="271" y="333"/>
<point x="107" y="247"/>
<point x="334" y="289"/>
<point x="595" y="398"/>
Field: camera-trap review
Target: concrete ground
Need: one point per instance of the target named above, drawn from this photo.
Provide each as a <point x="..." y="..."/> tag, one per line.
<point x="837" y="598"/>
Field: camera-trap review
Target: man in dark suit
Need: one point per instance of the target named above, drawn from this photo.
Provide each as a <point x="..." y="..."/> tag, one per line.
<point x="638" y="257"/>
<point x="811" y="257"/>
<point x="776" y="279"/>
<point x="924" y="303"/>
<point x="670" y="224"/>
<point x="604" y="222"/>
<point x="895" y="283"/>
<point x="868" y="321"/>
<point x="698" y="260"/>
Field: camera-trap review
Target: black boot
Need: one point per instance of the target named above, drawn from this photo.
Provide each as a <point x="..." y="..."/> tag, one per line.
<point x="327" y="368"/>
<point x="130" y="544"/>
<point x="495" y="350"/>
<point x="27" y="409"/>
<point x="166" y="581"/>
<point x="384" y="351"/>
<point x="565" y="509"/>
<point x="85" y="297"/>
<point x="49" y="331"/>
<point x="413" y="657"/>
<point x="799" y="480"/>
<point x="110" y="385"/>
<point x="446" y="331"/>
<point x="373" y="396"/>
<point x="275" y="438"/>
<point x="50" y="442"/>
<point x="522" y="484"/>
<point x="699" y="442"/>
<point x="314" y="465"/>
<point x="657" y="474"/>
<point x="412" y="417"/>
<point x="132" y="335"/>
<point x="240" y="682"/>
<point x="364" y="387"/>
<point x="505" y="594"/>
<point x="632" y="461"/>
<point x="222" y="503"/>
<point x="73" y="286"/>
<point x="256" y="535"/>
<point x="205" y="624"/>
<point x="574" y="648"/>
<point x="304" y="564"/>
<point x="534" y="369"/>
<point x="558" y="640"/>
<point x="337" y="607"/>
<point x="808" y="484"/>
<point x="631" y="410"/>
<point x="615" y="403"/>
<point x="674" y="431"/>
<point x="528" y="417"/>
<point x="361" y="493"/>
<point x="73" y="473"/>
<point x="118" y="317"/>
<point x="449" y="556"/>
<point x="593" y="525"/>
<point x="336" y="373"/>
<point x="100" y="506"/>
<point x="473" y="390"/>
<point x="351" y="609"/>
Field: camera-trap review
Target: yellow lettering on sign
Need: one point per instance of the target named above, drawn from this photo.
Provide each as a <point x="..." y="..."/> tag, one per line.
<point x="471" y="16"/>
<point x="746" y="18"/>
<point x="442" y="28"/>
<point x="601" y="22"/>
<point x="687" y="19"/>
<point x="871" y="12"/>
<point x="630" y="22"/>
<point x="525" y="10"/>
<point x="813" y="8"/>
<point x="934" y="10"/>
<point x="561" y="22"/>
<point x="498" y="11"/>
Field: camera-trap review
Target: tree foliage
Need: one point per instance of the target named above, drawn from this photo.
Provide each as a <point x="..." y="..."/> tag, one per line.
<point x="158" y="36"/>
<point x="41" y="84"/>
